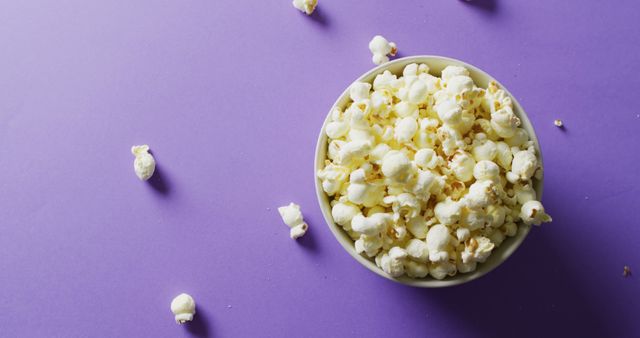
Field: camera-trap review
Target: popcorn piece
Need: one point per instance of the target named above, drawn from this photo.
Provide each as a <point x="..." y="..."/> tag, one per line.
<point x="485" y="151"/>
<point x="424" y="182"/>
<point x="532" y="212"/>
<point x="380" y="48"/>
<point x="337" y="129"/>
<point x="486" y="170"/>
<point x="396" y="166"/>
<point x="463" y="234"/>
<point x="343" y="213"/>
<point x="426" y="159"/>
<point x="558" y="123"/>
<point x="448" y="211"/>
<point x="353" y="149"/>
<point x="404" y="206"/>
<point x="523" y="166"/>
<point x="371" y="225"/>
<point x="393" y="262"/>
<point x="462" y="166"/>
<point x="305" y="6"/>
<point x="452" y="71"/>
<point x="369" y="245"/>
<point x="417" y="250"/>
<point x="144" y="164"/>
<point x="417" y="226"/>
<point x="481" y="194"/>
<point x="505" y="122"/>
<point x="441" y="270"/>
<point x="438" y="240"/>
<point x="405" y="129"/>
<point x="333" y="178"/>
<point x="415" y="269"/>
<point x="504" y="155"/>
<point x="292" y="216"/>
<point x="359" y="91"/>
<point x="449" y="112"/>
<point x="361" y="192"/>
<point x="473" y="219"/>
<point x="477" y="249"/>
<point x="183" y="307"/>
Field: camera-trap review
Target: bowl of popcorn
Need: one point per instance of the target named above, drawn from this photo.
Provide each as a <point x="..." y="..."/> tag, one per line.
<point x="428" y="172"/>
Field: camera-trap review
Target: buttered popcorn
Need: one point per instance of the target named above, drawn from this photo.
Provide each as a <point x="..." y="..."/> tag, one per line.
<point x="428" y="175"/>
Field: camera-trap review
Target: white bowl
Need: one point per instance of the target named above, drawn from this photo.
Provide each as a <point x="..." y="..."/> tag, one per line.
<point x="436" y="64"/>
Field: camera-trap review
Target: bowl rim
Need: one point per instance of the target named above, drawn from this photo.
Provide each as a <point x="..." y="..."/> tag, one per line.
<point x="499" y="256"/>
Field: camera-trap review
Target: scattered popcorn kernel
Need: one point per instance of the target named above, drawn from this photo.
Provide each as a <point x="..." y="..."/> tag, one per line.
<point x="428" y="175"/>
<point x="144" y="164"/>
<point x="305" y="6"/>
<point x="183" y="307"/>
<point x="292" y="216"/>
<point x="380" y="48"/>
<point x="626" y="271"/>
<point x="558" y="123"/>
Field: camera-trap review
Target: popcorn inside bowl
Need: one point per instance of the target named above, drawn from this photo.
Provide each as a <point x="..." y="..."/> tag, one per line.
<point x="428" y="175"/>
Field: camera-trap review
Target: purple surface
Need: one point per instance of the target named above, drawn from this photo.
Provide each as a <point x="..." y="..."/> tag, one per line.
<point x="230" y="95"/>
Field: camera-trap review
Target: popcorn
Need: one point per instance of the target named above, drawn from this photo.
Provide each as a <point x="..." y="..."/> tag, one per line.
<point x="462" y="166"/>
<point x="369" y="245"/>
<point x="405" y="129"/>
<point x="523" y="166"/>
<point x="337" y="129"/>
<point x="428" y="175"/>
<point x="438" y="240"/>
<point x="442" y="269"/>
<point x="426" y="159"/>
<point x="404" y="206"/>
<point x="371" y="225"/>
<point x="305" y="6"/>
<point x="424" y="182"/>
<point x="451" y="71"/>
<point x="396" y="166"/>
<point x="353" y="149"/>
<point x="463" y="234"/>
<point x="343" y="213"/>
<point x="532" y="212"/>
<point x="504" y="155"/>
<point x="359" y="91"/>
<point x="393" y="262"/>
<point x="473" y="219"/>
<point x="485" y="150"/>
<point x="292" y="216"/>
<point x="449" y="112"/>
<point x="415" y="269"/>
<point x="333" y="178"/>
<point x="183" y="307"/>
<point x="486" y="170"/>
<point x="448" y="211"/>
<point x="417" y="226"/>
<point x="505" y="122"/>
<point x="380" y="48"/>
<point x="558" y="123"/>
<point x="361" y="192"/>
<point x="417" y="250"/>
<point x="481" y="194"/>
<point x="477" y="249"/>
<point x="144" y="164"/>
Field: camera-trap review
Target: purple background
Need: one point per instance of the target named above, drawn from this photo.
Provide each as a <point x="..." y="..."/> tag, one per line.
<point x="230" y="95"/>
